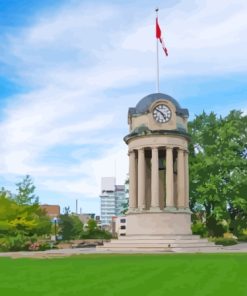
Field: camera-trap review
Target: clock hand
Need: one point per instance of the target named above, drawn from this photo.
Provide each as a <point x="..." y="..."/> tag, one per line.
<point x="164" y="115"/>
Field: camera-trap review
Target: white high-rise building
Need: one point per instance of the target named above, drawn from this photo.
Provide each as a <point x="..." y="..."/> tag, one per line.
<point x="112" y="200"/>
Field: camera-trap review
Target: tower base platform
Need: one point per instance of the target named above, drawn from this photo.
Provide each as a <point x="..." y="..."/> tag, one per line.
<point x="160" y="243"/>
<point x="164" y="222"/>
<point x="161" y="231"/>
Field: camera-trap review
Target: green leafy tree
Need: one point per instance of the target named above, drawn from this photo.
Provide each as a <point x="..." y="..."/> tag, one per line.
<point x="218" y="170"/>
<point x="93" y="231"/>
<point x="70" y="226"/>
<point x="20" y="224"/>
<point x="26" y="219"/>
<point x="125" y="205"/>
<point x="44" y="225"/>
<point x="91" y="225"/>
<point x="25" y="192"/>
<point x="5" y="193"/>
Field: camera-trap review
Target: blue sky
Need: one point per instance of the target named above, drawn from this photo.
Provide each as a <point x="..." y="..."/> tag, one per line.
<point x="69" y="71"/>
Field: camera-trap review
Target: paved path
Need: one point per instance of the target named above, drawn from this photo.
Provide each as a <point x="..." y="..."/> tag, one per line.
<point x="239" y="248"/>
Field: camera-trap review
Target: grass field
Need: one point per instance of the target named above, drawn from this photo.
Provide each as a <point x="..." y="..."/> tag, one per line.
<point x="117" y="275"/>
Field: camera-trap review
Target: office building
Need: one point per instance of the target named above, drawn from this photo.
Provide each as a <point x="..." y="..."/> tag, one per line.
<point x="112" y="200"/>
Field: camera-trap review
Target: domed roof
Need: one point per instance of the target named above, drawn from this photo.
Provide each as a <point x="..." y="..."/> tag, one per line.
<point x="144" y="104"/>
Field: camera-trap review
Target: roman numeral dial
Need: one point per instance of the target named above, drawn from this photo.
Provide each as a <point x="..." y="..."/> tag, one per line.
<point x="162" y="113"/>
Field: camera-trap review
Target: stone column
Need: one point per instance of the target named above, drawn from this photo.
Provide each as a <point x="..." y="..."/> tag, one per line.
<point x="155" y="180"/>
<point x="169" y="178"/>
<point x="132" y="181"/>
<point x="141" y="179"/>
<point x="186" y="180"/>
<point x="181" y="178"/>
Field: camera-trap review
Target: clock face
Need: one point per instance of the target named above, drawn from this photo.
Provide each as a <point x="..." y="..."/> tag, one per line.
<point x="162" y="113"/>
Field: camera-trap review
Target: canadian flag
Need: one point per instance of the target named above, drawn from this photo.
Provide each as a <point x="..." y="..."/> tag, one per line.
<point x="158" y="36"/>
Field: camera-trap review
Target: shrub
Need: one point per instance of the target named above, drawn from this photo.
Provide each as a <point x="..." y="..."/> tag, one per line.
<point x="199" y="228"/>
<point x="224" y="241"/>
<point x="215" y="228"/>
<point x="14" y="243"/>
<point x="45" y="246"/>
<point x="229" y="235"/>
<point x="242" y="238"/>
<point x="97" y="233"/>
<point x="3" y="246"/>
<point x="40" y="246"/>
<point x="21" y="242"/>
<point x="33" y="246"/>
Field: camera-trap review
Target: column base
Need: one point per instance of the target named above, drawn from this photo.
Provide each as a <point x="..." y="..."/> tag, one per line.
<point x="170" y="209"/>
<point x="184" y="210"/>
<point x="131" y="210"/>
<point x="155" y="209"/>
<point x="139" y="210"/>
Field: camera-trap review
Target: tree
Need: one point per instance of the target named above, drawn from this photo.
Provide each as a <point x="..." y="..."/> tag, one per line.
<point x="67" y="210"/>
<point x="70" y="226"/>
<point x="5" y="193"/>
<point x="218" y="170"/>
<point x="28" y="220"/>
<point x="93" y="231"/>
<point x="125" y="207"/>
<point x="22" y="220"/>
<point x="91" y="225"/>
<point x="25" y="192"/>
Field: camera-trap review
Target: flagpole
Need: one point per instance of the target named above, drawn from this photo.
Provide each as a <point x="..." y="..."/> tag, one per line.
<point x="157" y="59"/>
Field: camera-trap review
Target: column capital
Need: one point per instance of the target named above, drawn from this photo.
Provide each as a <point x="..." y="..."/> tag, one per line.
<point x="141" y="149"/>
<point x="179" y="148"/>
<point x="131" y="151"/>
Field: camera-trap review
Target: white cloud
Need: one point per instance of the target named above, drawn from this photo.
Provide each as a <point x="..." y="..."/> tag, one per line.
<point x="201" y="36"/>
<point x="114" y="162"/>
<point x="72" y="58"/>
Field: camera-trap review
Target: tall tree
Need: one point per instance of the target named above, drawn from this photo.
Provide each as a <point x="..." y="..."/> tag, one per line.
<point x="218" y="170"/>
<point x="16" y="218"/>
<point x="25" y="192"/>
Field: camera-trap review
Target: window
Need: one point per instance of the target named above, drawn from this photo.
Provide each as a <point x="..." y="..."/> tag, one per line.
<point x="122" y="220"/>
<point x="122" y="227"/>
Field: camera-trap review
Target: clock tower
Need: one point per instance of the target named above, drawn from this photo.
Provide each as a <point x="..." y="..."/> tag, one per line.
<point x="158" y="167"/>
<point x="158" y="217"/>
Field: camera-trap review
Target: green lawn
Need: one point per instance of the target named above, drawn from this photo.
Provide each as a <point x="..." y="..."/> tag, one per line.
<point x="152" y="275"/>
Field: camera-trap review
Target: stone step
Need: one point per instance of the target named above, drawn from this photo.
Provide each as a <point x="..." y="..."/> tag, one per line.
<point x="212" y="249"/>
<point x="152" y="237"/>
<point x="135" y="250"/>
<point x="159" y="245"/>
<point x="142" y="249"/>
<point x="159" y="241"/>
